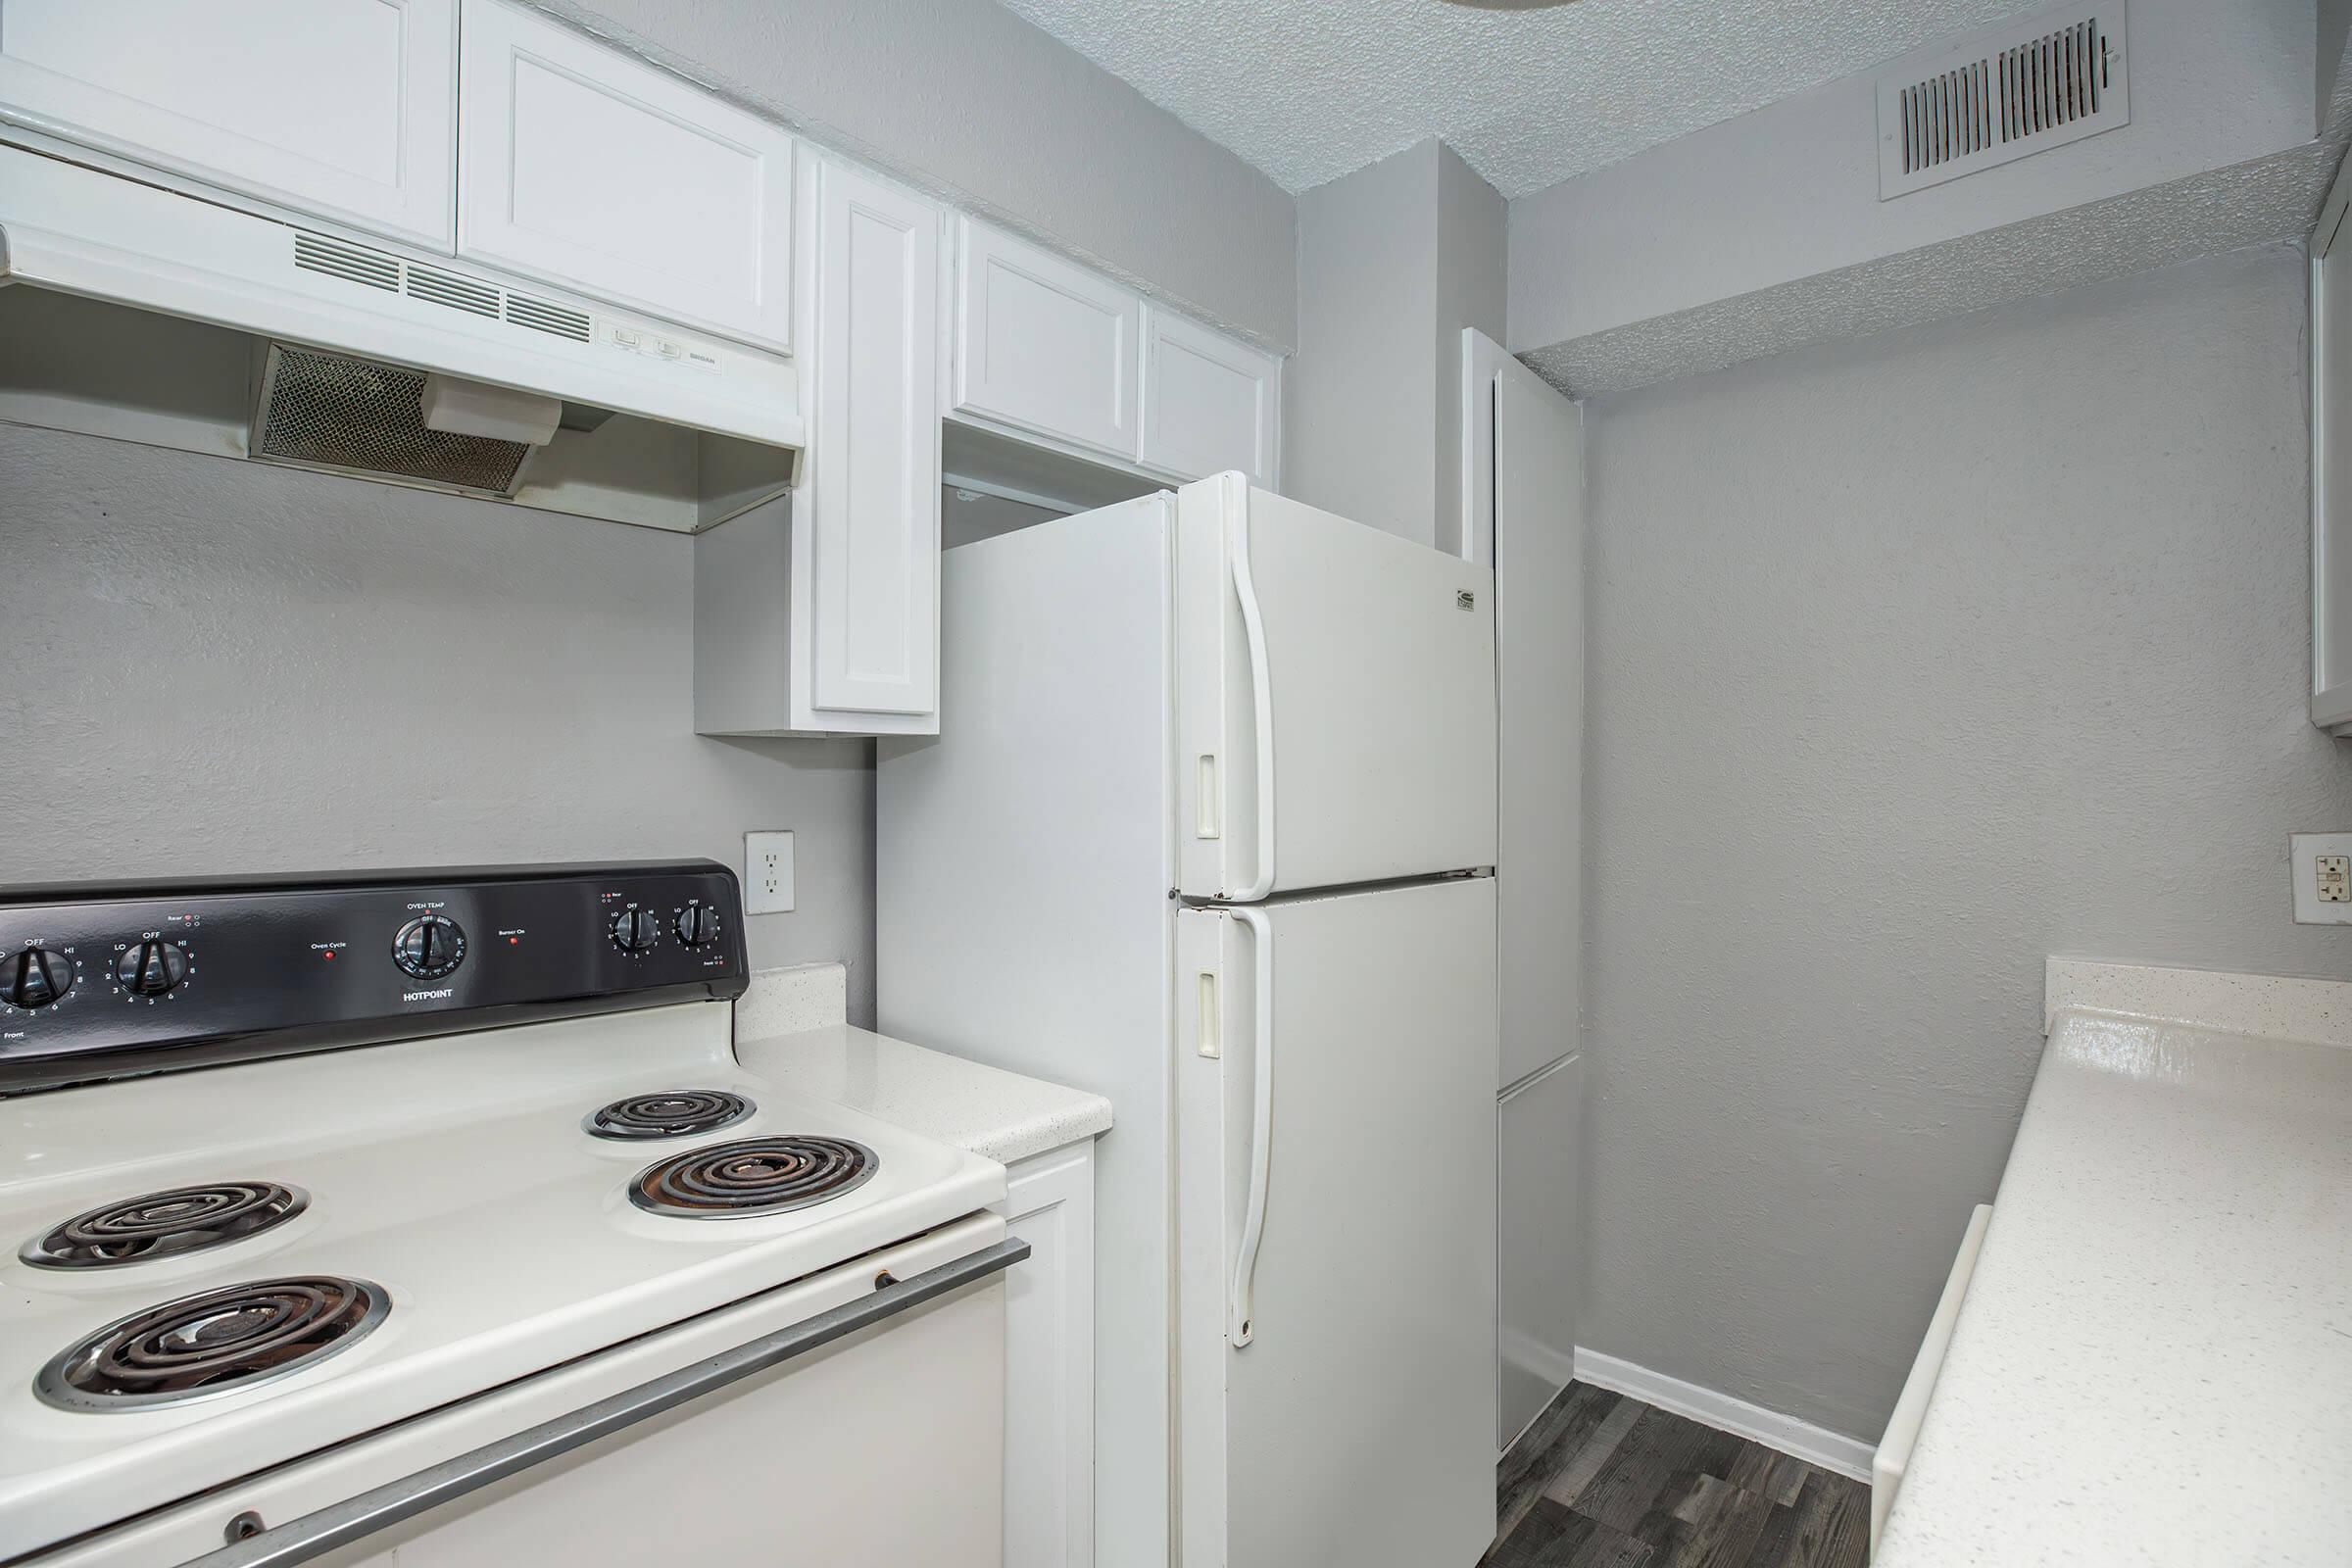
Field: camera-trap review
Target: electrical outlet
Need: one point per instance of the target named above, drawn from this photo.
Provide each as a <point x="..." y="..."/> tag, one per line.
<point x="767" y="873"/>
<point x="2322" y="866"/>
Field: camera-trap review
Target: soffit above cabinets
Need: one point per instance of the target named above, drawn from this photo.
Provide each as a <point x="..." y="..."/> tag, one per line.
<point x="1307" y="91"/>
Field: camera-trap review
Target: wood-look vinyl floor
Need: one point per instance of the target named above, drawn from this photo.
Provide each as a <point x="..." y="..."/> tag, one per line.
<point x="1601" y="1481"/>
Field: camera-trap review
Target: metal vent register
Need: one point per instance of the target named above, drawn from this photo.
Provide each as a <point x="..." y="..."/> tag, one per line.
<point x="2023" y="88"/>
<point x="330" y="410"/>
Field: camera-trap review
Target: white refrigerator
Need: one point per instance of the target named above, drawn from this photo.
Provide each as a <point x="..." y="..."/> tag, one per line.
<point x="1209" y="829"/>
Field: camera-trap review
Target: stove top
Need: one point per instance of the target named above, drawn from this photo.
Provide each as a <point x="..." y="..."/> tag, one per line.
<point x="674" y="1113"/>
<point x="268" y="1258"/>
<point x="165" y="1224"/>
<point x="212" y="1343"/>
<point x="753" y="1176"/>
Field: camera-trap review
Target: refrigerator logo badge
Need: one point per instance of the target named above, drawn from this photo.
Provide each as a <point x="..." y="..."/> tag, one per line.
<point x="1464" y="599"/>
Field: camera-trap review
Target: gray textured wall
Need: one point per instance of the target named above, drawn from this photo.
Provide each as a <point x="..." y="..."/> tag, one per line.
<point x="1913" y="661"/>
<point x="968" y="100"/>
<point x="218" y="666"/>
<point x="1393" y="260"/>
<point x="1358" y="399"/>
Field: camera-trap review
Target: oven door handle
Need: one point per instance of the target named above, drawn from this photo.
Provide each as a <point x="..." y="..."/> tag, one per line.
<point x="339" y="1525"/>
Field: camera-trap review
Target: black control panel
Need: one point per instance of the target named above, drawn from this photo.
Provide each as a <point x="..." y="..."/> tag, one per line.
<point x="98" y="981"/>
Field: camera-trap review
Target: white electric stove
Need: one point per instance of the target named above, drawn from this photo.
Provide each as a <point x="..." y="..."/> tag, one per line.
<point x="378" y="1281"/>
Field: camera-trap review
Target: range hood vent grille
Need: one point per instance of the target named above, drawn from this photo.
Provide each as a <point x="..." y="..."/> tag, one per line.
<point x="448" y="288"/>
<point x="355" y="264"/>
<point x="541" y="316"/>
<point x="330" y="410"/>
<point x="2023" y="89"/>
<point x="435" y="285"/>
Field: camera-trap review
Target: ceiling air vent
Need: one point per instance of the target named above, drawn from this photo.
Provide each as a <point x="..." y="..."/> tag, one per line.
<point x="2029" y="85"/>
<point x="541" y="316"/>
<point x="448" y="288"/>
<point x="356" y="264"/>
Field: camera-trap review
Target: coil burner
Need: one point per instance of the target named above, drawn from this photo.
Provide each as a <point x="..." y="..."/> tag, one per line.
<point x="221" y="1341"/>
<point x="675" y="1114"/>
<point x="753" y="1176"/>
<point x="167" y="1224"/>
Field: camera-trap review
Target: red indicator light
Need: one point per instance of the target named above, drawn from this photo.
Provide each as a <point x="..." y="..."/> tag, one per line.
<point x="514" y="942"/>
<point x="331" y="953"/>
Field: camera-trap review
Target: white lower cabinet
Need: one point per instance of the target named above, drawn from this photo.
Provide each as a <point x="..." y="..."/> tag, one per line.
<point x="1894" y="1455"/>
<point x="1050" y="1362"/>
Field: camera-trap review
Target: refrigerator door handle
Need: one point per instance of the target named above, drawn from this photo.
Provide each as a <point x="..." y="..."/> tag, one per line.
<point x="1261" y="687"/>
<point x="1240" y="1318"/>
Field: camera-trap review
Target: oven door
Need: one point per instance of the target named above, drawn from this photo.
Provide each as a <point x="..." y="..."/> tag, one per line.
<point x="830" y="1420"/>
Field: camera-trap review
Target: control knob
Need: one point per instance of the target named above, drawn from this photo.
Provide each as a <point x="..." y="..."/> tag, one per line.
<point x="698" y="925"/>
<point x="635" y="930"/>
<point x="430" y="947"/>
<point x="35" y="977"/>
<point x="152" y="968"/>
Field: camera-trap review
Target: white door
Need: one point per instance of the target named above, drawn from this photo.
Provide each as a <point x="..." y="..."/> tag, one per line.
<point x="588" y="169"/>
<point x="872" y="487"/>
<point x="1209" y="403"/>
<point x="1044" y="344"/>
<point x="1539" y="543"/>
<point x="1335" y="700"/>
<point x="1540" y="1232"/>
<point x="1336" y="1297"/>
<point x="341" y="107"/>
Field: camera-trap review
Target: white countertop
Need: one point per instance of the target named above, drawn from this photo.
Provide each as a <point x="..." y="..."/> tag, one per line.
<point x="988" y="1110"/>
<point x="789" y="1026"/>
<point x="2153" y="1363"/>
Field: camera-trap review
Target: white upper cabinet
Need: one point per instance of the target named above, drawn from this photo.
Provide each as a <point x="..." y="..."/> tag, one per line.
<point x="823" y="616"/>
<point x="1043" y="344"/>
<point x="872" y="488"/>
<point x="1210" y="404"/>
<point x="344" y="109"/>
<point x="597" y="172"/>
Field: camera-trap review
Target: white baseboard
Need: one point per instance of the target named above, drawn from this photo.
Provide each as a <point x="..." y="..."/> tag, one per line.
<point x="1802" y="1440"/>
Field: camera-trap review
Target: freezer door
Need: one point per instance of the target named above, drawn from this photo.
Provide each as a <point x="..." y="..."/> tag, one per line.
<point x="1336" y="1228"/>
<point x="1335" y="700"/>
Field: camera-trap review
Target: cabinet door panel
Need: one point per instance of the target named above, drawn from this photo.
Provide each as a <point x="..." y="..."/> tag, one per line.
<point x="1050" y="1364"/>
<point x="341" y="107"/>
<point x="873" y="470"/>
<point x="591" y="169"/>
<point x="1044" y="345"/>
<point x="1210" y="404"/>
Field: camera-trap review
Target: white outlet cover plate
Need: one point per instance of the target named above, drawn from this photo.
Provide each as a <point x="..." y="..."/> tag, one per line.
<point x="758" y="898"/>
<point x="2303" y="852"/>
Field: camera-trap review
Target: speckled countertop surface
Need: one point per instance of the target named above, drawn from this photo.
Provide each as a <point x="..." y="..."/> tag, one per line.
<point x="999" y="1114"/>
<point x="2153" y="1363"/>
<point x="788" y="1027"/>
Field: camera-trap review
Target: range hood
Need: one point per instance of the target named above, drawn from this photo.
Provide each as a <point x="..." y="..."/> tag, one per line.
<point x="368" y="358"/>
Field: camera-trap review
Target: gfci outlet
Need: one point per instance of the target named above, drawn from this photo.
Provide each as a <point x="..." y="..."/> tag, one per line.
<point x="2322" y="866"/>
<point x="767" y="873"/>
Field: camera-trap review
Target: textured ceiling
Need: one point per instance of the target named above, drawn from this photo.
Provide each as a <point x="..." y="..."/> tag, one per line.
<point x="1308" y="90"/>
